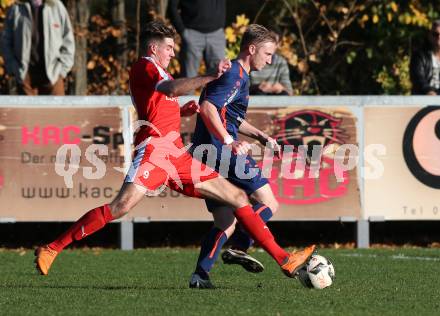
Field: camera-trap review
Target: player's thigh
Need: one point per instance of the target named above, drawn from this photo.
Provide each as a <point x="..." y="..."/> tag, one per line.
<point x="224" y="218"/>
<point x="265" y="196"/>
<point x="127" y="198"/>
<point x="222" y="190"/>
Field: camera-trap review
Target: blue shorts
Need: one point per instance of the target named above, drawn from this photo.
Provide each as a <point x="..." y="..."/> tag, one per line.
<point x="240" y="177"/>
<point x="247" y="176"/>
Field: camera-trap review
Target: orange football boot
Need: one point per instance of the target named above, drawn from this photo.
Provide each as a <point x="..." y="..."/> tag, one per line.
<point x="44" y="258"/>
<point x="297" y="260"/>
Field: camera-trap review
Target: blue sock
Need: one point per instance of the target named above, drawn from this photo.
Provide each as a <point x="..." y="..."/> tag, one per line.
<point x="211" y="246"/>
<point x="240" y="238"/>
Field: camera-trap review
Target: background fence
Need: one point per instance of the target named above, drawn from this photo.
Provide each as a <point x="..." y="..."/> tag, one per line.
<point x="395" y="173"/>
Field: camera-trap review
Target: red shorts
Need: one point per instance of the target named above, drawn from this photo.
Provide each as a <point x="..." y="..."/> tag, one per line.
<point x="154" y="167"/>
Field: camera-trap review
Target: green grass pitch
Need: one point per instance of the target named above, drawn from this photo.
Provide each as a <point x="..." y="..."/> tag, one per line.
<point x="397" y="281"/>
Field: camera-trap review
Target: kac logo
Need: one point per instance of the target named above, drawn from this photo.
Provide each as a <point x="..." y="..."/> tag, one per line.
<point x="312" y="130"/>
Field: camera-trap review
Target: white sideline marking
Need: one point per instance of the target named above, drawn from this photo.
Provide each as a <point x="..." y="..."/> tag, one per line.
<point x="358" y="255"/>
<point x="400" y="256"/>
<point x="394" y="257"/>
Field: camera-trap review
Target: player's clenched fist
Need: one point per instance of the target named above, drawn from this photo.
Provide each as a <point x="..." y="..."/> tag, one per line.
<point x="240" y="147"/>
<point x="189" y="108"/>
<point x="273" y="144"/>
<point x="223" y="66"/>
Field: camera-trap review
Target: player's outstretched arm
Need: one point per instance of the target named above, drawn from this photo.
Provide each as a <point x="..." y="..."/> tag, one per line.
<point x="251" y="131"/>
<point x="181" y="86"/>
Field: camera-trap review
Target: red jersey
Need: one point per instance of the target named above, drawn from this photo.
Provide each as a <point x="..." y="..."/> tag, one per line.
<point x="160" y="111"/>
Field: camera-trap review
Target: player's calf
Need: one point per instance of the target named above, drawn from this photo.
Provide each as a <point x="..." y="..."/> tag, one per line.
<point x="129" y="195"/>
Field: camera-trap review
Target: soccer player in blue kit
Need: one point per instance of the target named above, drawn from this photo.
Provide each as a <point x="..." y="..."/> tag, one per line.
<point x="223" y="106"/>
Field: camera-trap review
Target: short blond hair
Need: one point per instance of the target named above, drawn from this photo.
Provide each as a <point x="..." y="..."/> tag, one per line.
<point x="255" y="35"/>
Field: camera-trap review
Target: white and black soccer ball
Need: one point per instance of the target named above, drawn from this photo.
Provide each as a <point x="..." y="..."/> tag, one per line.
<point x="318" y="273"/>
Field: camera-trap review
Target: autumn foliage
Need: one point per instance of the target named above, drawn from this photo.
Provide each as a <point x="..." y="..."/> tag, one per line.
<point x="102" y="65"/>
<point x="332" y="47"/>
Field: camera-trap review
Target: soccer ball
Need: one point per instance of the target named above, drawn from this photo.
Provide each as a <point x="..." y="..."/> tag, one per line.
<point x="319" y="273"/>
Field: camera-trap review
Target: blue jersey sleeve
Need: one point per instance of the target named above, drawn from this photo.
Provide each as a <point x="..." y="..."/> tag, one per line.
<point x="223" y="90"/>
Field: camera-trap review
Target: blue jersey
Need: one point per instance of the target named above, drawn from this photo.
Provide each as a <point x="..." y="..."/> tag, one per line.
<point x="230" y="95"/>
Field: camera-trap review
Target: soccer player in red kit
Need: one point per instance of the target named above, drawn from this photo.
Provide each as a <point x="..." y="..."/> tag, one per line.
<point x="161" y="159"/>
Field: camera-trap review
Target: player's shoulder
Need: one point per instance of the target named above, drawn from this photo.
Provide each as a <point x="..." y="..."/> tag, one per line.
<point x="145" y="68"/>
<point x="238" y="72"/>
<point x="237" y="68"/>
<point x="143" y="64"/>
<point x="234" y="74"/>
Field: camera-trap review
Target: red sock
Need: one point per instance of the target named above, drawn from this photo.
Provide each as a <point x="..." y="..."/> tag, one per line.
<point x="89" y="223"/>
<point x="258" y="230"/>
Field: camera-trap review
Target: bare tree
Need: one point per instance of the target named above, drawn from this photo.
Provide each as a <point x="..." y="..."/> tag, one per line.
<point x="79" y="15"/>
<point x="117" y="12"/>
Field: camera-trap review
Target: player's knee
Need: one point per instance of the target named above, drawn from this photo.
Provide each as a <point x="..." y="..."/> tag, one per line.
<point x="240" y="197"/>
<point x="120" y="208"/>
<point x="274" y="206"/>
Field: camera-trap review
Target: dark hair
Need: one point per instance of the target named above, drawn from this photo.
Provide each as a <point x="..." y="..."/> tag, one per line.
<point x="431" y="39"/>
<point x="435" y="24"/>
<point x="158" y="30"/>
<point x="257" y="34"/>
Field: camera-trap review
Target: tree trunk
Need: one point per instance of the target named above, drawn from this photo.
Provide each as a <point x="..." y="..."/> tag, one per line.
<point x="162" y="9"/>
<point x="117" y="12"/>
<point x="138" y="26"/>
<point x="79" y="16"/>
<point x="159" y="6"/>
